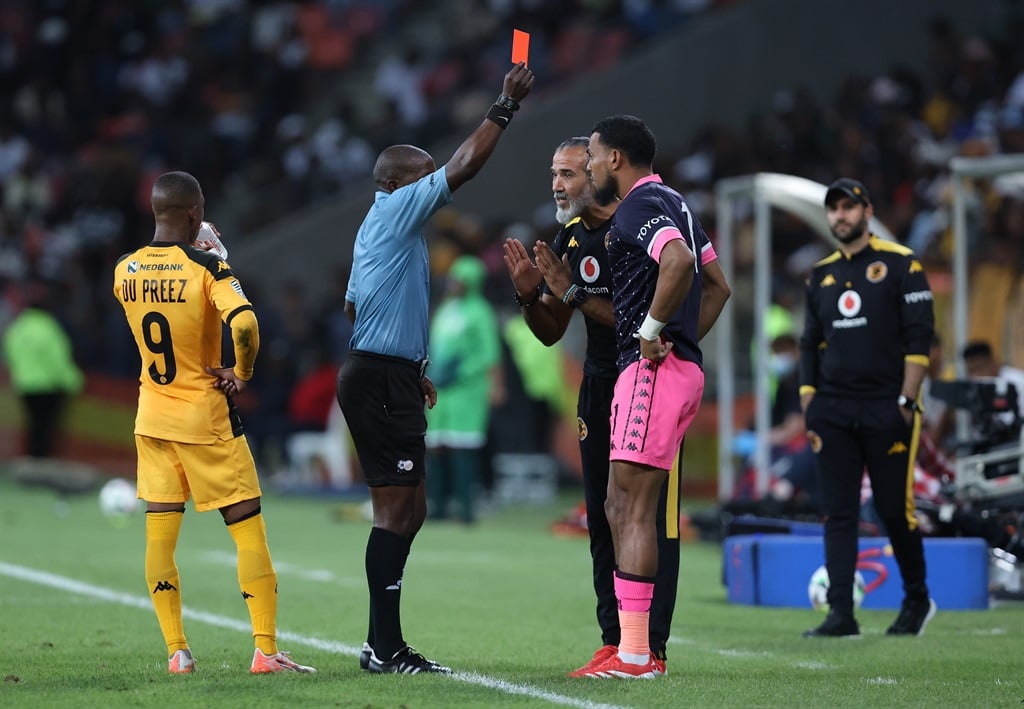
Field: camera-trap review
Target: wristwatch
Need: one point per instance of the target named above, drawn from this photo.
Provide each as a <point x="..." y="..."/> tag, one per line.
<point x="910" y="404"/>
<point x="507" y="102"/>
<point x="579" y="297"/>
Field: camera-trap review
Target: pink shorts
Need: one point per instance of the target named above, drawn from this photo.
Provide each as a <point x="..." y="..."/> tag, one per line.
<point x="652" y="407"/>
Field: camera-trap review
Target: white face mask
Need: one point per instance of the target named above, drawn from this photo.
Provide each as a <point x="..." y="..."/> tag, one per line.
<point x="782" y="364"/>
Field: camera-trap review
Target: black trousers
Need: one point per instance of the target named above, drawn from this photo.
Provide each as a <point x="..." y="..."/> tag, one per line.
<point x="594" y="411"/>
<point x="43" y="411"/>
<point x="849" y="434"/>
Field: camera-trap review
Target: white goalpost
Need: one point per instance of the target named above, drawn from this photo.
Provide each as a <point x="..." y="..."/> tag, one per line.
<point x="971" y="474"/>
<point x="802" y="198"/>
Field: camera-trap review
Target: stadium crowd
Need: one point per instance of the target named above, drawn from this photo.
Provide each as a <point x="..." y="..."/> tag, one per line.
<point x="107" y="94"/>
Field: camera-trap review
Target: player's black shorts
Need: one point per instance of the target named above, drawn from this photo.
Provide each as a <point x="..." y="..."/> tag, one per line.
<point x="382" y="401"/>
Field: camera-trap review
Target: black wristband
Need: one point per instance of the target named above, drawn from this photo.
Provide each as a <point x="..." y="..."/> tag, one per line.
<point x="500" y="115"/>
<point x="524" y="304"/>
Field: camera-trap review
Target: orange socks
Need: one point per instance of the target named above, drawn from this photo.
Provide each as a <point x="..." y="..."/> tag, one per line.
<point x="634" y="594"/>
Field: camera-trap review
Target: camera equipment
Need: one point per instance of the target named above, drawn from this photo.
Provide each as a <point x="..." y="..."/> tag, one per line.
<point x="990" y="466"/>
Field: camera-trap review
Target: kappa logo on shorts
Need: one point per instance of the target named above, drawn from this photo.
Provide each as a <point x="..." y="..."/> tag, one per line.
<point x="164" y="586"/>
<point x="897" y="448"/>
<point x="815" y="440"/>
<point x="404" y="466"/>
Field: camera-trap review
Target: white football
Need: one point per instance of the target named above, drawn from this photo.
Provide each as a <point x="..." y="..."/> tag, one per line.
<point x="817" y="589"/>
<point x="118" y="498"/>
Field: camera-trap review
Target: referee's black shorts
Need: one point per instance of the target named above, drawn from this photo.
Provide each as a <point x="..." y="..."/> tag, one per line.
<point x="382" y="400"/>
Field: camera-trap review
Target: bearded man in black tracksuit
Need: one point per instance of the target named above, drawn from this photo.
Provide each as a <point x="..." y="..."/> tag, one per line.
<point x="863" y="354"/>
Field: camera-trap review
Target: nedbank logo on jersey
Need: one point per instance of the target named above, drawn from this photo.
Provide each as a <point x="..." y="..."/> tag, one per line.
<point x="156" y="267"/>
<point x="133" y="267"/>
<point x="590" y="269"/>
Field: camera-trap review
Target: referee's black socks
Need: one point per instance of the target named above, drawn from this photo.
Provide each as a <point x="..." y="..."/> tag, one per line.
<point x="386" y="553"/>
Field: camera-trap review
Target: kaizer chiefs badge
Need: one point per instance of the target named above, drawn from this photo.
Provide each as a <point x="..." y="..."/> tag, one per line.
<point x="877" y="271"/>
<point x="581" y="428"/>
<point x="607" y="240"/>
<point x="815" y="440"/>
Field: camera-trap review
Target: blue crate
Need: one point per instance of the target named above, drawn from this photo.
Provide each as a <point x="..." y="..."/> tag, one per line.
<point x="774" y="570"/>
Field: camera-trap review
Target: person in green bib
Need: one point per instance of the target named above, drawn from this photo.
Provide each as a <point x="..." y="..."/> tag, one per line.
<point x="465" y="352"/>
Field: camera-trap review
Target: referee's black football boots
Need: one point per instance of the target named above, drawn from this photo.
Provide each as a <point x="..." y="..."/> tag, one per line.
<point x="406" y="662"/>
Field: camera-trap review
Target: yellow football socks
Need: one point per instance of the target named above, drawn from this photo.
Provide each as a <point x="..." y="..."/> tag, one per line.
<point x="162" y="576"/>
<point x="257" y="579"/>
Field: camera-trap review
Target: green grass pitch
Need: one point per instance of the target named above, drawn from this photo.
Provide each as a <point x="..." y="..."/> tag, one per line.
<point x="508" y="605"/>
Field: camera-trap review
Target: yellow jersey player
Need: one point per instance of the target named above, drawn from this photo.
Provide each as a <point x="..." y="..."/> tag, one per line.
<point x="187" y="431"/>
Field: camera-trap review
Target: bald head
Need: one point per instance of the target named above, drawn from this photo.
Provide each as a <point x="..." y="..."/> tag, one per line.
<point x="401" y="165"/>
<point x="178" y="206"/>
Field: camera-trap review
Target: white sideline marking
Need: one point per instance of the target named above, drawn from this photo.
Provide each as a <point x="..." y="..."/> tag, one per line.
<point x="62" y="583"/>
<point x="812" y="665"/>
<point x="225" y="558"/>
<point x="733" y="652"/>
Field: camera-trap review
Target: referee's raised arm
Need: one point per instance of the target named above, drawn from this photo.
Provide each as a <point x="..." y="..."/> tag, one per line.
<point x="474" y="151"/>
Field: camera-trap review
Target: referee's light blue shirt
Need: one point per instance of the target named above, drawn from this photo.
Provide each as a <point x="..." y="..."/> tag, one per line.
<point x="390" y="281"/>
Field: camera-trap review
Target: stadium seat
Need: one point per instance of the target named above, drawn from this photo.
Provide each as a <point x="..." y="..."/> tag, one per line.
<point x="321" y="458"/>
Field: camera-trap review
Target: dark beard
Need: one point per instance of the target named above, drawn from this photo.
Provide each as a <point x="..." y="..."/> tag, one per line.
<point x="855" y="233"/>
<point x="606" y="193"/>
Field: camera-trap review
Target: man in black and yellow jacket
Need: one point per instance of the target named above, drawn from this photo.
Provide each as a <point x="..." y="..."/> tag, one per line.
<point x="863" y="354"/>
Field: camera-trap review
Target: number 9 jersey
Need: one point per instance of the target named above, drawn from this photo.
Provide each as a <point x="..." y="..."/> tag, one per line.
<point x="175" y="298"/>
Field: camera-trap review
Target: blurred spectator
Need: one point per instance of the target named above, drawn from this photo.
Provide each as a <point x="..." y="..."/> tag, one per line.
<point x="535" y="373"/>
<point x="937" y="415"/>
<point x="399" y="79"/>
<point x="981" y="362"/>
<point x="465" y="370"/>
<point x="793" y="480"/>
<point x="43" y="373"/>
<point x="313" y="396"/>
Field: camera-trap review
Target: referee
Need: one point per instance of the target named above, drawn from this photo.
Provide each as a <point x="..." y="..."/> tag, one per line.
<point x="382" y="387"/>
<point x="863" y="354"/>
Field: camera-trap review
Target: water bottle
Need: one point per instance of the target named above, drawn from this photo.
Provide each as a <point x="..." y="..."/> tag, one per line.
<point x="207" y="240"/>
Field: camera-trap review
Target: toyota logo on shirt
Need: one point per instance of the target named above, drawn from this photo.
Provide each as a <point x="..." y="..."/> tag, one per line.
<point x="590" y="269"/>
